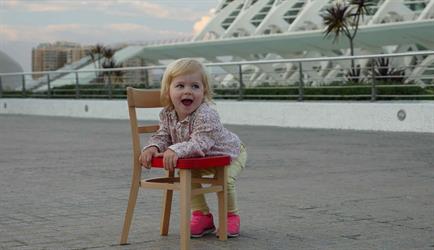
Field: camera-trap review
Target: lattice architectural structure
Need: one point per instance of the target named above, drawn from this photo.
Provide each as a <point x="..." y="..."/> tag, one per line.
<point x="249" y="18"/>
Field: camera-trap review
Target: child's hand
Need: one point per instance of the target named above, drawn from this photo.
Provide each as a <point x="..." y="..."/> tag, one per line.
<point x="169" y="159"/>
<point x="146" y="156"/>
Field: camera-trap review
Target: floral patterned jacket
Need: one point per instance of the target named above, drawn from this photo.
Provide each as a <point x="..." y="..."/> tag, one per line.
<point x="199" y="134"/>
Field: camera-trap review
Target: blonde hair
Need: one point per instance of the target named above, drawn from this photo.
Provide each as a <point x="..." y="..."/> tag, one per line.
<point x="179" y="67"/>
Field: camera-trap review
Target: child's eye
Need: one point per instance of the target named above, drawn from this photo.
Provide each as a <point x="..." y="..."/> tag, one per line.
<point x="179" y="85"/>
<point x="196" y="86"/>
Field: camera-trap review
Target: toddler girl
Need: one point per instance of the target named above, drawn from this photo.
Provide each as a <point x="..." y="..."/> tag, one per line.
<point x="189" y="127"/>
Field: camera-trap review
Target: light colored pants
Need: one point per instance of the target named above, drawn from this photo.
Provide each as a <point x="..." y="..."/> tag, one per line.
<point x="237" y="165"/>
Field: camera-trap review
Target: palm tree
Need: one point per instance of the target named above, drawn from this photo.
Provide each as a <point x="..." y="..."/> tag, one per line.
<point x="104" y="55"/>
<point x="118" y="75"/>
<point x="109" y="62"/>
<point x="95" y="54"/>
<point x="108" y="53"/>
<point x="115" y="76"/>
<point x="344" y="18"/>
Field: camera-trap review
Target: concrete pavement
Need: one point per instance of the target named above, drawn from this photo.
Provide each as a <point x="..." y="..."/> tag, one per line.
<point x="64" y="184"/>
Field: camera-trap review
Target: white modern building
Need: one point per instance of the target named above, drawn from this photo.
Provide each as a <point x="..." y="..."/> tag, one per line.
<point x="9" y="65"/>
<point x="392" y="26"/>
<point x="245" y="30"/>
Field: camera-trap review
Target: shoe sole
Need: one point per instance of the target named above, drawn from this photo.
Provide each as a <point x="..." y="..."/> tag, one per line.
<point x="233" y="235"/>
<point x="205" y="232"/>
<point x="229" y="235"/>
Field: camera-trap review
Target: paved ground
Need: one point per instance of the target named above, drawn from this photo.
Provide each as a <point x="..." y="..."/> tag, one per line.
<point x="64" y="184"/>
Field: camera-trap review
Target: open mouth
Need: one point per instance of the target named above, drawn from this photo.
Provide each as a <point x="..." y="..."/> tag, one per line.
<point x="187" y="102"/>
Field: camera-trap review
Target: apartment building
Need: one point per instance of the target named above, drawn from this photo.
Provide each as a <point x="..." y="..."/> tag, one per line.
<point x="53" y="56"/>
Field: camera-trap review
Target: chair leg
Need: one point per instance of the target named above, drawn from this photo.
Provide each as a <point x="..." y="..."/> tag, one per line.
<point x="185" y="205"/>
<point x="130" y="211"/>
<point x="222" y="176"/>
<point x="167" y="206"/>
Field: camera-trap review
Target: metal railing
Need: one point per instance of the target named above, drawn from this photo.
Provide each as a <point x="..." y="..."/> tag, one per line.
<point x="375" y="77"/>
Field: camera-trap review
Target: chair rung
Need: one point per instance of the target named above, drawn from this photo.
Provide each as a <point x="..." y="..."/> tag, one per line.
<point x="147" y="129"/>
<point x="193" y="180"/>
<point x="206" y="181"/>
<point x="156" y="185"/>
<point x="163" y="180"/>
<point x="205" y="190"/>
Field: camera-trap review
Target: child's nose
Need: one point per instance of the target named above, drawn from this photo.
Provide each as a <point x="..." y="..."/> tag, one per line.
<point x="188" y="90"/>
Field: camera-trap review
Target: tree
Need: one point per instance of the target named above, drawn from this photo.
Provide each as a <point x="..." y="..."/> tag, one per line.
<point x="343" y="18"/>
<point x="108" y="54"/>
<point x="109" y="62"/>
<point x="103" y="57"/>
<point x="115" y="76"/>
<point x="386" y="72"/>
<point x="96" y="53"/>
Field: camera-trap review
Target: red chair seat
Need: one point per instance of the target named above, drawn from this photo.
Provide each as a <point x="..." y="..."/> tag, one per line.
<point x="196" y="162"/>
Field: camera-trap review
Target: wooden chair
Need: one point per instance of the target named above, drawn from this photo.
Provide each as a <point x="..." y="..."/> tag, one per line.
<point x="151" y="99"/>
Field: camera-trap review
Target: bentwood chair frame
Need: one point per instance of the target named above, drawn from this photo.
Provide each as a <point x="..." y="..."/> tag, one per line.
<point x="139" y="98"/>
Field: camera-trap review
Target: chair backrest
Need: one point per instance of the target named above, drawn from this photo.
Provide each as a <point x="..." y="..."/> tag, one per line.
<point x="140" y="98"/>
<point x="143" y="98"/>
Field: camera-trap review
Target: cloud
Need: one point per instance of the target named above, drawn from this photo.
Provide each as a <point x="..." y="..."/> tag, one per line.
<point x="8" y="33"/>
<point x="141" y="32"/>
<point x="199" y="25"/>
<point x="9" y="4"/>
<point x="41" y="34"/>
<point x="127" y="27"/>
<point x="53" y="28"/>
<point x="32" y="7"/>
<point x="41" y="6"/>
<point x="87" y="34"/>
<point x="114" y="7"/>
<point x="164" y="11"/>
<point x="152" y="9"/>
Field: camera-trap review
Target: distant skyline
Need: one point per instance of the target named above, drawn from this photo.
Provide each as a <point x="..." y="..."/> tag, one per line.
<point x="26" y="23"/>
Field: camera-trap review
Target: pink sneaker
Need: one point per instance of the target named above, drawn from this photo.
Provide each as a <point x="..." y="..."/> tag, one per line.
<point x="201" y="224"/>
<point x="233" y="225"/>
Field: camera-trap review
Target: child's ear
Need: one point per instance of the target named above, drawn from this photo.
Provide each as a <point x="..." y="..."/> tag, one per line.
<point x="167" y="96"/>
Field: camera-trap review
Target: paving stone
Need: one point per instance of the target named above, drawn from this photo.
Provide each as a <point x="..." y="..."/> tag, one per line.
<point x="64" y="184"/>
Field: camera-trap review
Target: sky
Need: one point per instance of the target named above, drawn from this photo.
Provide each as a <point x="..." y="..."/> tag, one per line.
<point x="26" y="23"/>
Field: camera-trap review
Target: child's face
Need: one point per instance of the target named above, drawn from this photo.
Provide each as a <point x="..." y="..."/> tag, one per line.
<point x="186" y="93"/>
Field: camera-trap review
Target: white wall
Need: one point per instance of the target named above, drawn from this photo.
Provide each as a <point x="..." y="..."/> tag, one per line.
<point x="331" y="115"/>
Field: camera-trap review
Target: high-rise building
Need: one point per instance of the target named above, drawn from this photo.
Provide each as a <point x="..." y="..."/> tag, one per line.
<point x="52" y="56"/>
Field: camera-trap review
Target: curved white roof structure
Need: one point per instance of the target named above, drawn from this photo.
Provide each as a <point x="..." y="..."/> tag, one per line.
<point x="287" y="44"/>
<point x="9" y="65"/>
<point x="235" y="18"/>
<point x="273" y="29"/>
